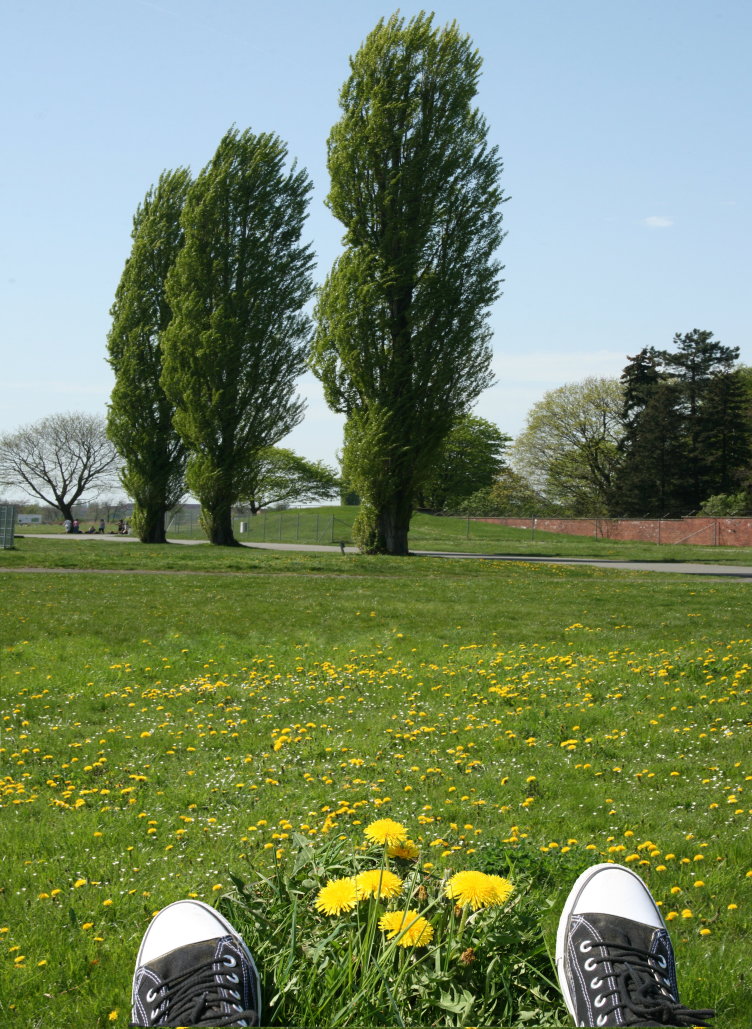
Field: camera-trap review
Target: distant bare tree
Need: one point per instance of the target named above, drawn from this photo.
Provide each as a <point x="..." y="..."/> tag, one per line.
<point x="59" y="459"/>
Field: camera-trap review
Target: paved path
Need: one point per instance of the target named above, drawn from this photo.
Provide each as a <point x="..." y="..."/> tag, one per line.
<point x="743" y="572"/>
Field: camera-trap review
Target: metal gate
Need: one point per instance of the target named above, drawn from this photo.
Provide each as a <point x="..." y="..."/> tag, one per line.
<point x="7" y="522"/>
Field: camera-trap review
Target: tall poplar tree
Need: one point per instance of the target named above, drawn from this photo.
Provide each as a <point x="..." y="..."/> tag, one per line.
<point x="238" y="338"/>
<point x="402" y="343"/>
<point x="139" y="419"/>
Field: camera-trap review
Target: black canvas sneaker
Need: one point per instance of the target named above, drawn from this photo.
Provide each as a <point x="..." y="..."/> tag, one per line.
<point x="194" y="970"/>
<point x="614" y="957"/>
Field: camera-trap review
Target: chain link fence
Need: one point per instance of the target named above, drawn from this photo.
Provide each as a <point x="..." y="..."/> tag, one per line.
<point x="298" y="526"/>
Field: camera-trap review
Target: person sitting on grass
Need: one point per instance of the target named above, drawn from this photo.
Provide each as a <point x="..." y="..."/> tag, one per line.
<point x="614" y="961"/>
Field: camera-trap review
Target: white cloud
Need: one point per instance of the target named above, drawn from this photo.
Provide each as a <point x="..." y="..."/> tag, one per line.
<point x="658" y="221"/>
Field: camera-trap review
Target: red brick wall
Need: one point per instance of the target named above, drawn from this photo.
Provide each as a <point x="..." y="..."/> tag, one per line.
<point x="708" y="532"/>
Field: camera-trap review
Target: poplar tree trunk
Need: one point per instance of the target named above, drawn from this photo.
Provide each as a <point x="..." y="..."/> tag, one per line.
<point x="150" y="523"/>
<point x="393" y="524"/>
<point x="217" y="523"/>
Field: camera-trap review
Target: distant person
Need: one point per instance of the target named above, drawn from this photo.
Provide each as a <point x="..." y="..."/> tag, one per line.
<point x="120" y="527"/>
<point x="67" y="525"/>
<point x="91" y="530"/>
<point x="75" y="526"/>
<point x="101" y="525"/>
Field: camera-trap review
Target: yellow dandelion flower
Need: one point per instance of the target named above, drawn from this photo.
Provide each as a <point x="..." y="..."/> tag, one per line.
<point x="503" y="888"/>
<point x="410" y="927"/>
<point x="338" y="895"/>
<point x="407" y="850"/>
<point x="377" y="882"/>
<point x="473" y="888"/>
<point x="386" y="830"/>
<point x="686" y="913"/>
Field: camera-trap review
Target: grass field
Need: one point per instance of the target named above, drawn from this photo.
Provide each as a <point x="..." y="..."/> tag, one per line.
<point x="329" y="525"/>
<point x="167" y="735"/>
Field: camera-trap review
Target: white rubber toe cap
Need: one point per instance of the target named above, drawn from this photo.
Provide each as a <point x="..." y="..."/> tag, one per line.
<point x="180" y="924"/>
<point x="614" y="890"/>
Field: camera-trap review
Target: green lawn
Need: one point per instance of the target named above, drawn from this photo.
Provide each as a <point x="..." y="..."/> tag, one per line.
<point x="329" y="525"/>
<point x="170" y="734"/>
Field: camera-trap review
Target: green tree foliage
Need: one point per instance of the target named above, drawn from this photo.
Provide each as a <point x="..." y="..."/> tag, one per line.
<point x="568" y="451"/>
<point x="688" y="428"/>
<point x="279" y="476"/>
<point x="238" y="338"/>
<point x="139" y="419"/>
<point x="59" y="459"/>
<point x="726" y="505"/>
<point x="469" y="459"/>
<point x="402" y="340"/>
<point x="510" y="495"/>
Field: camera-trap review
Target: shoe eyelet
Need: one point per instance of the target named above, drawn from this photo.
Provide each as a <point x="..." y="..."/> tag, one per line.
<point x="586" y="946"/>
<point x="590" y="965"/>
<point x="661" y="961"/>
<point x="229" y="960"/>
<point x="595" y="984"/>
<point x="235" y="994"/>
<point x="237" y="1007"/>
<point x="600" y="1020"/>
<point x="599" y="1001"/>
<point x="231" y="977"/>
<point x="151" y="996"/>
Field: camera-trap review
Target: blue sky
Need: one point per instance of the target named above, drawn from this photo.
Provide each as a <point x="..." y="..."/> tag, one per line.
<point x="624" y="128"/>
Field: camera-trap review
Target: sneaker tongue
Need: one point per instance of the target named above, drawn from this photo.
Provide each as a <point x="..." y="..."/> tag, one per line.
<point x="184" y="959"/>
<point x="194" y="999"/>
<point x="623" y="931"/>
